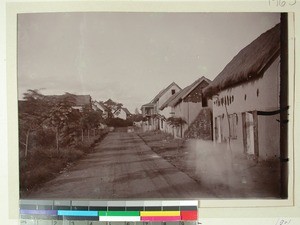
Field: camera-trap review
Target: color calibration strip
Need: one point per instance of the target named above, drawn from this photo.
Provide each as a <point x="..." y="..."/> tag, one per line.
<point x="127" y="211"/>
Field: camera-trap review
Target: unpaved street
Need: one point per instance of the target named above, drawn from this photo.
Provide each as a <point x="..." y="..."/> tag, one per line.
<point x="122" y="166"/>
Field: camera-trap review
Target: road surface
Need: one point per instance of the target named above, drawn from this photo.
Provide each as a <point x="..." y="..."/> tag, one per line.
<point x="122" y="167"/>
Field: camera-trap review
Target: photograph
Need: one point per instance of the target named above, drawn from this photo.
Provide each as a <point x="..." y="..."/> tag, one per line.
<point x="153" y="105"/>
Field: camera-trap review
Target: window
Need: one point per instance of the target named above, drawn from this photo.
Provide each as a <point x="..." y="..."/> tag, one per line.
<point x="233" y="122"/>
<point x="173" y="91"/>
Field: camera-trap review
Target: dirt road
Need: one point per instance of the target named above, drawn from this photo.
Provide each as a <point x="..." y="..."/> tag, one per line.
<point x="122" y="166"/>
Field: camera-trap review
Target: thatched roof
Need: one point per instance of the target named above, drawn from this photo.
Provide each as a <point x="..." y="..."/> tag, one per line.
<point x="176" y="98"/>
<point x="250" y="63"/>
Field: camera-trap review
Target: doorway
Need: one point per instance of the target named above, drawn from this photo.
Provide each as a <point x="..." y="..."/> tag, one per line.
<point x="250" y="133"/>
<point x="218" y="129"/>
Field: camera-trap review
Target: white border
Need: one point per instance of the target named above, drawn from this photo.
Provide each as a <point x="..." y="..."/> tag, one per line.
<point x="208" y="208"/>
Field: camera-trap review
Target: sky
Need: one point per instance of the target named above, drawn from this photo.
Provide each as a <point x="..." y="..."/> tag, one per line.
<point x="129" y="57"/>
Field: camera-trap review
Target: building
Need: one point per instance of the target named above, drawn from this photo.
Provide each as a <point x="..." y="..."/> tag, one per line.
<point x="151" y="111"/>
<point x="82" y="101"/>
<point x="100" y="106"/>
<point x="122" y="113"/>
<point x="186" y="104"/>
<point x="245" y="98"/>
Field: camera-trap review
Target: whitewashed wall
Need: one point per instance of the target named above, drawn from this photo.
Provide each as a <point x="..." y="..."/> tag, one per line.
<point x="262" y="95"/>
<point x="166" y="95"/>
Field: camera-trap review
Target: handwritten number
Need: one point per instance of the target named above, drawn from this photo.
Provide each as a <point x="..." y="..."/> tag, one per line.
<point x="54" y="222"/>
<point x="283" y="221"/>
<point x="282" y="3"/>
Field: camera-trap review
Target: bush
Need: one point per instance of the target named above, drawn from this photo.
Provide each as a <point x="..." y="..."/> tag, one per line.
<point x="117" y="122"/>
<point x="44" y="138"/>
<point x="44" y="163"/>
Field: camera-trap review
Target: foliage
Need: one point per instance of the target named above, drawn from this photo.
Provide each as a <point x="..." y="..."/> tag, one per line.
<point x="118" y="122"/>
<point x="51" y="134"/>
<point x="45" y="163"/>
<point x="176" y="121"/>
<point x="90" y="119"/>
<point x="64" y="120"/>
<point x="112" y="107"/>
<point x="31" y="116"/>
<point x="48" y="118"/>
<point x="136" y="118"/>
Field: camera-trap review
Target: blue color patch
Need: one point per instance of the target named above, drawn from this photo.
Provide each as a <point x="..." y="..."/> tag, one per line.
<point x="76" y="213"/>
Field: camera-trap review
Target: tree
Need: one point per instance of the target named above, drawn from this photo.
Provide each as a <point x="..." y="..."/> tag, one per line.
<point x="60" y="116"/>
<point x="112" y="107"/>
<point x="176" y="122"/>
<point x="27" y="124"/>
<point x="31" y="116"/>
<point x="90" y="120"/>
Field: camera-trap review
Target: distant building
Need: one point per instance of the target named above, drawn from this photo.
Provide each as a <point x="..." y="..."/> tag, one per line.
<point x="122" y="113"/>
<point x="151" y="111"/>
<point x="100" y="106"/>
<point x="245" y="95"/>
<point x="186" y="104"/>
<point x="82" y="101"/>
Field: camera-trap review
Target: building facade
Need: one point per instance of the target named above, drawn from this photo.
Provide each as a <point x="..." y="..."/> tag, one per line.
<point x="245" y="99"/>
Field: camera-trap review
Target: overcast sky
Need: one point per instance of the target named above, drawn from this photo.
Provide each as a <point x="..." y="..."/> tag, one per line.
<point x="129" y="57"/>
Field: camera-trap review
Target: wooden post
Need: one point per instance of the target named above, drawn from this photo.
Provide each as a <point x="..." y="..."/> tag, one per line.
<point x="256" y="146"/>
<point x="57" y="139"/>
<point x="283" y="104"/>
<point x="26" y="143"/>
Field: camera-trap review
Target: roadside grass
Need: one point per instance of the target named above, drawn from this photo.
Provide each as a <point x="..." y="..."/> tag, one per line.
<point x="160" y="141"/>
<point x="43" y="164"/>
<point x="168" y="147"/>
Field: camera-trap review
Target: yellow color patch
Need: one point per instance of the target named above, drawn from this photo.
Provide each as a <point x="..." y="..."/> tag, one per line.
<point x="160" y="213"/>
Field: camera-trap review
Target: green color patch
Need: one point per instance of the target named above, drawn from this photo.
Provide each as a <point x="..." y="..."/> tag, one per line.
<point x="119" y="213"/>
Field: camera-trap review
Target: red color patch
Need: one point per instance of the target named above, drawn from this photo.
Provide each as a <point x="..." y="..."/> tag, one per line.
<point x="189" y="215"/>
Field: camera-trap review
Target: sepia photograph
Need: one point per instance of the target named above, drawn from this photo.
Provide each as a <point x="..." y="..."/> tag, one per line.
<point x="153" y="105"/>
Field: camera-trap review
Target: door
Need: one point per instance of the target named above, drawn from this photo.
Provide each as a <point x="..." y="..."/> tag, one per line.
<point x="218" y="131"/>
<point x="249" y="133"/>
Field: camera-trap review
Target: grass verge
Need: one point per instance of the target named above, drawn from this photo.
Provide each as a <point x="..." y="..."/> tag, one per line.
<point x="43" y="164"/>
